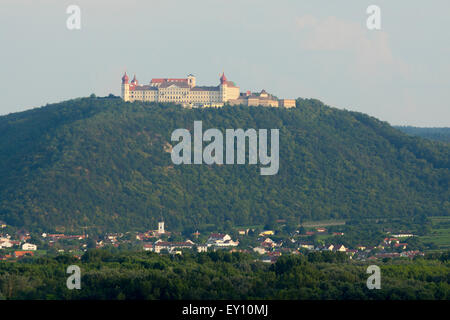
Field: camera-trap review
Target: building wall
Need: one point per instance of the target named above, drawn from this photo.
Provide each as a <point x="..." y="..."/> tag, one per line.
<point x="287" y="103"/>
<point x="204" y="96"/>
<point x="142" y="95"/>
<point x="173" y="94"/>
<point x="126" y="92"/>
<point x="228" y="93"/>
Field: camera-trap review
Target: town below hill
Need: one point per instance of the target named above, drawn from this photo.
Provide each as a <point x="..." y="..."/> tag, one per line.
<point x="383" y="241"/>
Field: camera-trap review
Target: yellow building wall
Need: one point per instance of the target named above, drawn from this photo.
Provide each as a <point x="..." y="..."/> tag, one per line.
<point x="287" y="103"/>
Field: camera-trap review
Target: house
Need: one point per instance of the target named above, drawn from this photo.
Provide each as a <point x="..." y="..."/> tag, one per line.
<point x="268" y="243"/>
<point x="306" y="245"/>
<point x="55" y="236"/>
<point x="29" y="246"/>
<point x="310" y="233"/>
<point x="411" y="254"/>
<point x="171" y="246"/>
<point x="221" y="240"/>
<point x="267" y="233"/>
<point x="5" y="243"/>
<point x="2" y="224"/>
<point x="148" y="247"/>
<point x="20" y="254"/>
<point x="59" y="236"/>
<point x="391" y="240"/>
<point x="321" y="229"/>
<point x="401" y="245"/>
<point x="202" y="248"/>
<point x="329" y="247"/>
<point x="341" y="248"/>
<point x="338" y="233"/>
<point x="144" y="236"/>
<point x="388" y="255"/>
<point x="218" y="237"/>
<point x="274" y="254"/>
<point x="259" y="250"/>
<point x="403" y="235"/>
<point x="113" y="237"/>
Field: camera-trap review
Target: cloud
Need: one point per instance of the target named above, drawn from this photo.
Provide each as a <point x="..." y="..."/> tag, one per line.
<point x="370" y="50"/>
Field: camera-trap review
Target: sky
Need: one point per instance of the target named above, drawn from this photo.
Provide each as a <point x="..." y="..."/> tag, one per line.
<point x="291" y="48"/>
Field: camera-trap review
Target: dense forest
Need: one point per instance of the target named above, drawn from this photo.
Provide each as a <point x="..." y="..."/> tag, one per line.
<point x="103" y="163"/>
<point x="222" y="275"/>
<point x="437" y="134"/>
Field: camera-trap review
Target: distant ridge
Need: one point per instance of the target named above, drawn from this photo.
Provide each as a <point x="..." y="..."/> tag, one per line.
<point x="437" y="134"/>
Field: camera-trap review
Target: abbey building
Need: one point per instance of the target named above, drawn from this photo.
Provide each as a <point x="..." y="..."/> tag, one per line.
<point x="185" y="91"/>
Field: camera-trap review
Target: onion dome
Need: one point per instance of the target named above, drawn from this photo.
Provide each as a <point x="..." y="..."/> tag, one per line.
<point x="125" y="78"/>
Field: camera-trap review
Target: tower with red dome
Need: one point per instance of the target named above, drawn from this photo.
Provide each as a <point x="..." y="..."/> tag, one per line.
<point x="125" y="89"/>
<point x="223" y="78"/>
<point x="227" y="89"/>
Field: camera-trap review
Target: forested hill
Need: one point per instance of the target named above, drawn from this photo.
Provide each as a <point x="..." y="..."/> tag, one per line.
<point x="437" y="134"/>
<point x="103" y="163"/>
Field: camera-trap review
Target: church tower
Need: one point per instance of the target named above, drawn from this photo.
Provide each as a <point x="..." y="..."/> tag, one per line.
<point x="125" y="88"/>
<point x="191" y="80"/>
<point x="223" y="88"/>
<point x="161" y="227"/>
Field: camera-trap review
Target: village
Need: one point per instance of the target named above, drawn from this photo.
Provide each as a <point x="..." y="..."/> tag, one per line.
<point x="267" y="245"/>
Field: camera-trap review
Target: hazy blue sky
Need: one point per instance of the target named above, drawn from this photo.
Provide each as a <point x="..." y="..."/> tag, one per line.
<point x="291" y="48"/>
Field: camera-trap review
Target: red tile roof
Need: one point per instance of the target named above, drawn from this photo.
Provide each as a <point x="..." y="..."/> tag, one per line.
<point x="20" y="254"/>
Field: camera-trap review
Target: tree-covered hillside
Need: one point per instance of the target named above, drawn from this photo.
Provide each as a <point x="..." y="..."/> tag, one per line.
<point x="103" y="163"/>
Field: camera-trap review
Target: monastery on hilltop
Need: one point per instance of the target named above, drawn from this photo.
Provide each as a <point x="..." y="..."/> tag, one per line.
<point x="185" y="92"/>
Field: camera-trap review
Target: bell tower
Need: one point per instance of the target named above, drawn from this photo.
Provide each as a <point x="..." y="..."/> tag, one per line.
<point x="125" y="92"/>
<point x="191" y="80"/>
<point x="223" y="88"/>
<point x="161" y="227"/>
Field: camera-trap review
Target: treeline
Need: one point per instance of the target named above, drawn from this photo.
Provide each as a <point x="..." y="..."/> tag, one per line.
<point x="222" y="275"/>
<point x="437" y="134"/>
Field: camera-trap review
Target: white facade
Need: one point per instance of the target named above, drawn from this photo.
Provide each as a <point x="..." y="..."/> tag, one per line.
<point x="29" y="246"/>
<point x="161" y="227"/>
<point x="202" y="248"/>
<point x="179" y="90"/>
<point x="221" y="240"/>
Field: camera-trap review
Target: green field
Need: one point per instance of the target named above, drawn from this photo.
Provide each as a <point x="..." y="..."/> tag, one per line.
<point x="440" y="234"/>
<point x="322" y="223"/>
